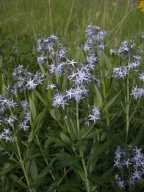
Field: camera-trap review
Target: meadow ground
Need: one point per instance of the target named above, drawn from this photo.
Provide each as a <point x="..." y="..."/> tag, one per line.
<point x="22" y="22"/>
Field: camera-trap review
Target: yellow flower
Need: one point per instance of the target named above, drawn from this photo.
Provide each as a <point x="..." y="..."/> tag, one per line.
<point x="141" y="5"/>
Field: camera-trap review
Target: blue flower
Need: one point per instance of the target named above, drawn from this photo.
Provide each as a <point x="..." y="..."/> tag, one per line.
<point x="41" y="59"/>
<point x="6" y="135"/>
<point x="94" y="115"/>
<point x="137" y="92"/>
<point x="59" y="100"/>
<point x="120" y="182"/>
<point x="76" y="93"/>
<point x="120" y="72"/>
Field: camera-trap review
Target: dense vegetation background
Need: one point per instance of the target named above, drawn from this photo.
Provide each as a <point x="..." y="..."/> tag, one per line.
<point x="47" y="158"/>
<point x="23" y="21"/>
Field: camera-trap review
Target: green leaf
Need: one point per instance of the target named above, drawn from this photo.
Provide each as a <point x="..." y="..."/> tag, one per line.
<point x="112" y="101"/>
<point x="41" y="98"/>
<point x="8" y="167"/>
<point x="32" y="106"/>
<point x="65" y="138"/>
<point x="18" y="180"/>
<point x="67" y="160"/>
<point x="31" y="168"/>
<point x="98" y="101"/>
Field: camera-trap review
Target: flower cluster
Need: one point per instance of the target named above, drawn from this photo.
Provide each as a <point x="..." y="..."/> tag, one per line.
<point x="50" y="48"/>
<point x="130" y="164"/>
<point x="52" y="52"/>
<point x="132" y="57"/>
<point x="94" y="38"/>
<point x="6" y="135"/>
<point x="125" y="49"/>
<point x="54" y="63"/>
<point x="132" y="64"/>
<point x="9" y="118"/>
<point x="81" y="76"/>
<point x="136" y="60"/>
<point x="25" y="80"/>
<point x="46" y="44"/>
<point x="137" y="93"/>
<point x="6" y="103"/>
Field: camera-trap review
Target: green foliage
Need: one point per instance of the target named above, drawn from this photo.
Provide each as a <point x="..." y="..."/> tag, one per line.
<point x="59" y="153"/>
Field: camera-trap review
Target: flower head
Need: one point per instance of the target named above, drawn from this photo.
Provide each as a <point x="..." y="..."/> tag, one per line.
<point x="135" y="177"/>
<point x="135" y="63"/>
<point x="46" y="44"/>
<point x="24" y="104"/>
<point x="124" y="47"/>
<point x="41" y="59"/>
<point x="25" y="80"/>
<point x="59" y="100"/>
<point x="141" y="76"/>
<point x="120" y="72"/>
<point x="76" y="93"/>
<point x="94" y="38"/>
<point x="6" y="103"/>
<point x="120" y="182"/>
<point x="25" y="124"/>
<point x="6" y="135"/>
<point x="51" y="86"/>
<point x="91" y="61"/>
<point x="31" y="84"/>
<point x="81" y="76"/>
<point x="137" y="92"/>
<point x="94" y="115"/>
<point x="10" y="120"/>
<point x="56" y="69"/>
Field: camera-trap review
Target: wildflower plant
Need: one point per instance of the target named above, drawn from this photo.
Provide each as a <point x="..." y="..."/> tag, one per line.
<point x="60" y="123"/>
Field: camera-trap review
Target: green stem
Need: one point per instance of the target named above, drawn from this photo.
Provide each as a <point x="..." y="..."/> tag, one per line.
<point x="127" y="108"/>
<point x="21" y="160"/>
<point x="41" y="150"/>
<point x="62" y="178"/>
<point x="127" y="114"/>
<point x="85" y="172"/>
<point x="77" y="118"/>
<point x="81" y="152"/>
<point x="104" y="96"/>
<point x="22" y="165"/>
<point x="44" y="157"/>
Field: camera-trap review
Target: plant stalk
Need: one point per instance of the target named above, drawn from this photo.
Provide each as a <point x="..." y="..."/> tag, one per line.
<point x="85" y="172"/>
<point x="22" y="165"/>
<point x="77" y="118"/>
